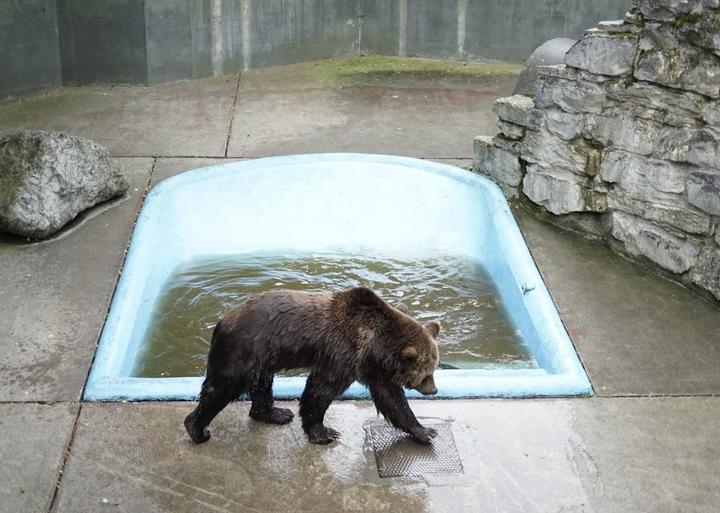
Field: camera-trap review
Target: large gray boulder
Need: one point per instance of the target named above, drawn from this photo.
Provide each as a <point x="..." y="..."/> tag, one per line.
<point x="47" y="178"/>
<point x="549" y="53"/>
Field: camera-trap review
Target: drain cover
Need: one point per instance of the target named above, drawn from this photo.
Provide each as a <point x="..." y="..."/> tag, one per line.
<point x="398" y="455"/>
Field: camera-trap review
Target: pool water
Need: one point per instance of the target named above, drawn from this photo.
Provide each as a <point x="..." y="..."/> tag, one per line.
<point x="458" y="292"/>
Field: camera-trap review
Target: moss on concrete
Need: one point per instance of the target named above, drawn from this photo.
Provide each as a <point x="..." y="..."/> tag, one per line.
<point x="360" y="67"/>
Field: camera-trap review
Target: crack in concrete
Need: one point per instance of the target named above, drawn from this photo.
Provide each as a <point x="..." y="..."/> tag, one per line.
<point x="232" y="115"/>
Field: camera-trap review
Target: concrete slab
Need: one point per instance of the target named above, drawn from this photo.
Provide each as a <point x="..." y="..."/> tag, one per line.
<point x="32" y="449"/>
<point x="181" y="119"/>
<point x="54" y="296"/>
<point x="649" y="454"/>
<point x="518" y="456"/>
<point x="636" y="333"/>
<point x="319" y="107"/>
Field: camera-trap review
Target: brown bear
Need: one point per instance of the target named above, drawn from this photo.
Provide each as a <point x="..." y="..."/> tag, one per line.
<point x="341" y="337"/>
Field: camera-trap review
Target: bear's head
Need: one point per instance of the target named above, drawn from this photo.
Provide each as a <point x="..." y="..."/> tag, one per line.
<point x="393" y="346"/>
<point x="420" y="357"/>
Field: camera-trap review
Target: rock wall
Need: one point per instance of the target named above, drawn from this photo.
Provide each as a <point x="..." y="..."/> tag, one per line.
<point x="622" y="141"/>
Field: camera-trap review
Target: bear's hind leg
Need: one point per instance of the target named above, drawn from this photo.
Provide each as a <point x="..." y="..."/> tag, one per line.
<point x="262" y="408"/>
<point x="213" y="399"/>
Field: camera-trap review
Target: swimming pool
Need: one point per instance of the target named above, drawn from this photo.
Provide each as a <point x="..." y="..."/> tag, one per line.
<point x="400" y="208"/>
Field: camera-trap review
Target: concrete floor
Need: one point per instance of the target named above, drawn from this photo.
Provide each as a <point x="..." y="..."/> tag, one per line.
<point x="646" y="442"/>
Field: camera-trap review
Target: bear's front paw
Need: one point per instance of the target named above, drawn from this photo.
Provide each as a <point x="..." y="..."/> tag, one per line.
<point x="423" y="434"/>
<point x="319" y="434"/>
<point x="197" y="435"/>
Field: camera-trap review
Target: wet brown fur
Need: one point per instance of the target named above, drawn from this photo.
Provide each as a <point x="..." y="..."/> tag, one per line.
<point x="342" y="337"/>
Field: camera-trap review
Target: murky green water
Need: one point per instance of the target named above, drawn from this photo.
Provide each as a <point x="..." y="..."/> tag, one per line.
<point x="476" y="330"/>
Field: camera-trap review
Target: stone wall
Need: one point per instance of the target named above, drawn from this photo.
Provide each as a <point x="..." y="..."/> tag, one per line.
<point x="622" y="141"/>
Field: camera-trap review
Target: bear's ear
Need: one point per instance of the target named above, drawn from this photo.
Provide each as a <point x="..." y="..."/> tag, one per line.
<point x="409" y="353"/>
<point x="402" y="307"/>
<point x="434" y="328"/>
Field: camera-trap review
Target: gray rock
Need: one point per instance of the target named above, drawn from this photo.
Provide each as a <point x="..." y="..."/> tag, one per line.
<point x="696" y="146"/>
<point x="618" y="26"/>
<point x="511" y="130"/>
<point x="47" y="178"/>
<point x="660" y="35"/>
<point x="565" y="125"/>
<point x="644" y="178"/>
<point x="570" y="95"/>
<point x="683" y="68"/>
<point x="683" y="218"/>
<point x="646" y="137"/>
<point x="497" y="163"/>
<point x="668" y="10"/>
<point x="624" y="132"/>
<point x="703" y="31"/>
<point x="603" y="54"/>
<point x="560" y="192"/>
<point x="510" y="145"/>
<point x="711" y="113"/>
<point x="517" y="109"/>
<point x="650" y="101"/>
<point x="706" y="273"/>
<point x="549" y="53"/>
<point x="644" y="238"/>
<point x="703" y="191"/>
<point x="550" y="151"/>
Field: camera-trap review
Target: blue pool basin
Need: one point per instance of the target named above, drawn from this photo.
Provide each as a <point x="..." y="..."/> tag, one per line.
<point x="395" y="207"/>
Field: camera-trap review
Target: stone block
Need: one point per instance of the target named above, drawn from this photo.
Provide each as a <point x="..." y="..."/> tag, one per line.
<point x="696" y="146"/>
<point x="47" y="178"/>
<point x="647" y="137"/>
<point x="683" y="218"/>
<point x="517" y="109"/>
<point x="550" y="151"/>
<point x="706" y="273"/>
<point x="497" y="163"/>
<point x="511" y="130"/>
<point x="685" y="67"/>
<point x="603" y="54"/>
<point x="569" y="94"/>
<point x="617" y="26"/>
<point x="711" y="113"/>
<point x="563" y="124"/>
<point x="679" y="108"/>
<point x="643" y="178"/>
<point x="703" y="191"/>
<point x="660" y="35"/>
<point x="511" y="145"/>
<point x="560" y="192"/>
<point x="624" y="132"/>
<point x="644" y="238"/>
<point x="668" y="10"/>
<point x="702" y="31"/>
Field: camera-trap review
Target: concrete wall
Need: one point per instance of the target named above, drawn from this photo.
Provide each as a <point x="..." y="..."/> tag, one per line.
<point x="154" y="41"/>
<point x="29" y="55"/>
<point x="102" y="41"/>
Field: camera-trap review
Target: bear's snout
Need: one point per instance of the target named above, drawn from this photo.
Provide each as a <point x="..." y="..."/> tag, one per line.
<point x="427" y="386"/>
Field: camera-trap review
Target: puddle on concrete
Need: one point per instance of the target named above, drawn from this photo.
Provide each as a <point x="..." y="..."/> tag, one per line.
<point x="477" y="331"/>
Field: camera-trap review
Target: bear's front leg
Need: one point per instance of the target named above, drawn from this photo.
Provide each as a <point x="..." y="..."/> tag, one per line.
<point x="390" y="400"/>
<point x="321" y="389"/>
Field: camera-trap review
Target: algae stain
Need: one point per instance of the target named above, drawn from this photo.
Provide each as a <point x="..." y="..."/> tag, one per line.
<point x="337" y="70"/>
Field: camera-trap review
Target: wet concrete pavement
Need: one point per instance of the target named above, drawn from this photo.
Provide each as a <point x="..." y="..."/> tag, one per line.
<point x="637" y="334"/>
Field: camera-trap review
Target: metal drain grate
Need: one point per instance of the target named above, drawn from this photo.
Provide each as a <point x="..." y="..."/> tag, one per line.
<point x="398" y="455"/>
